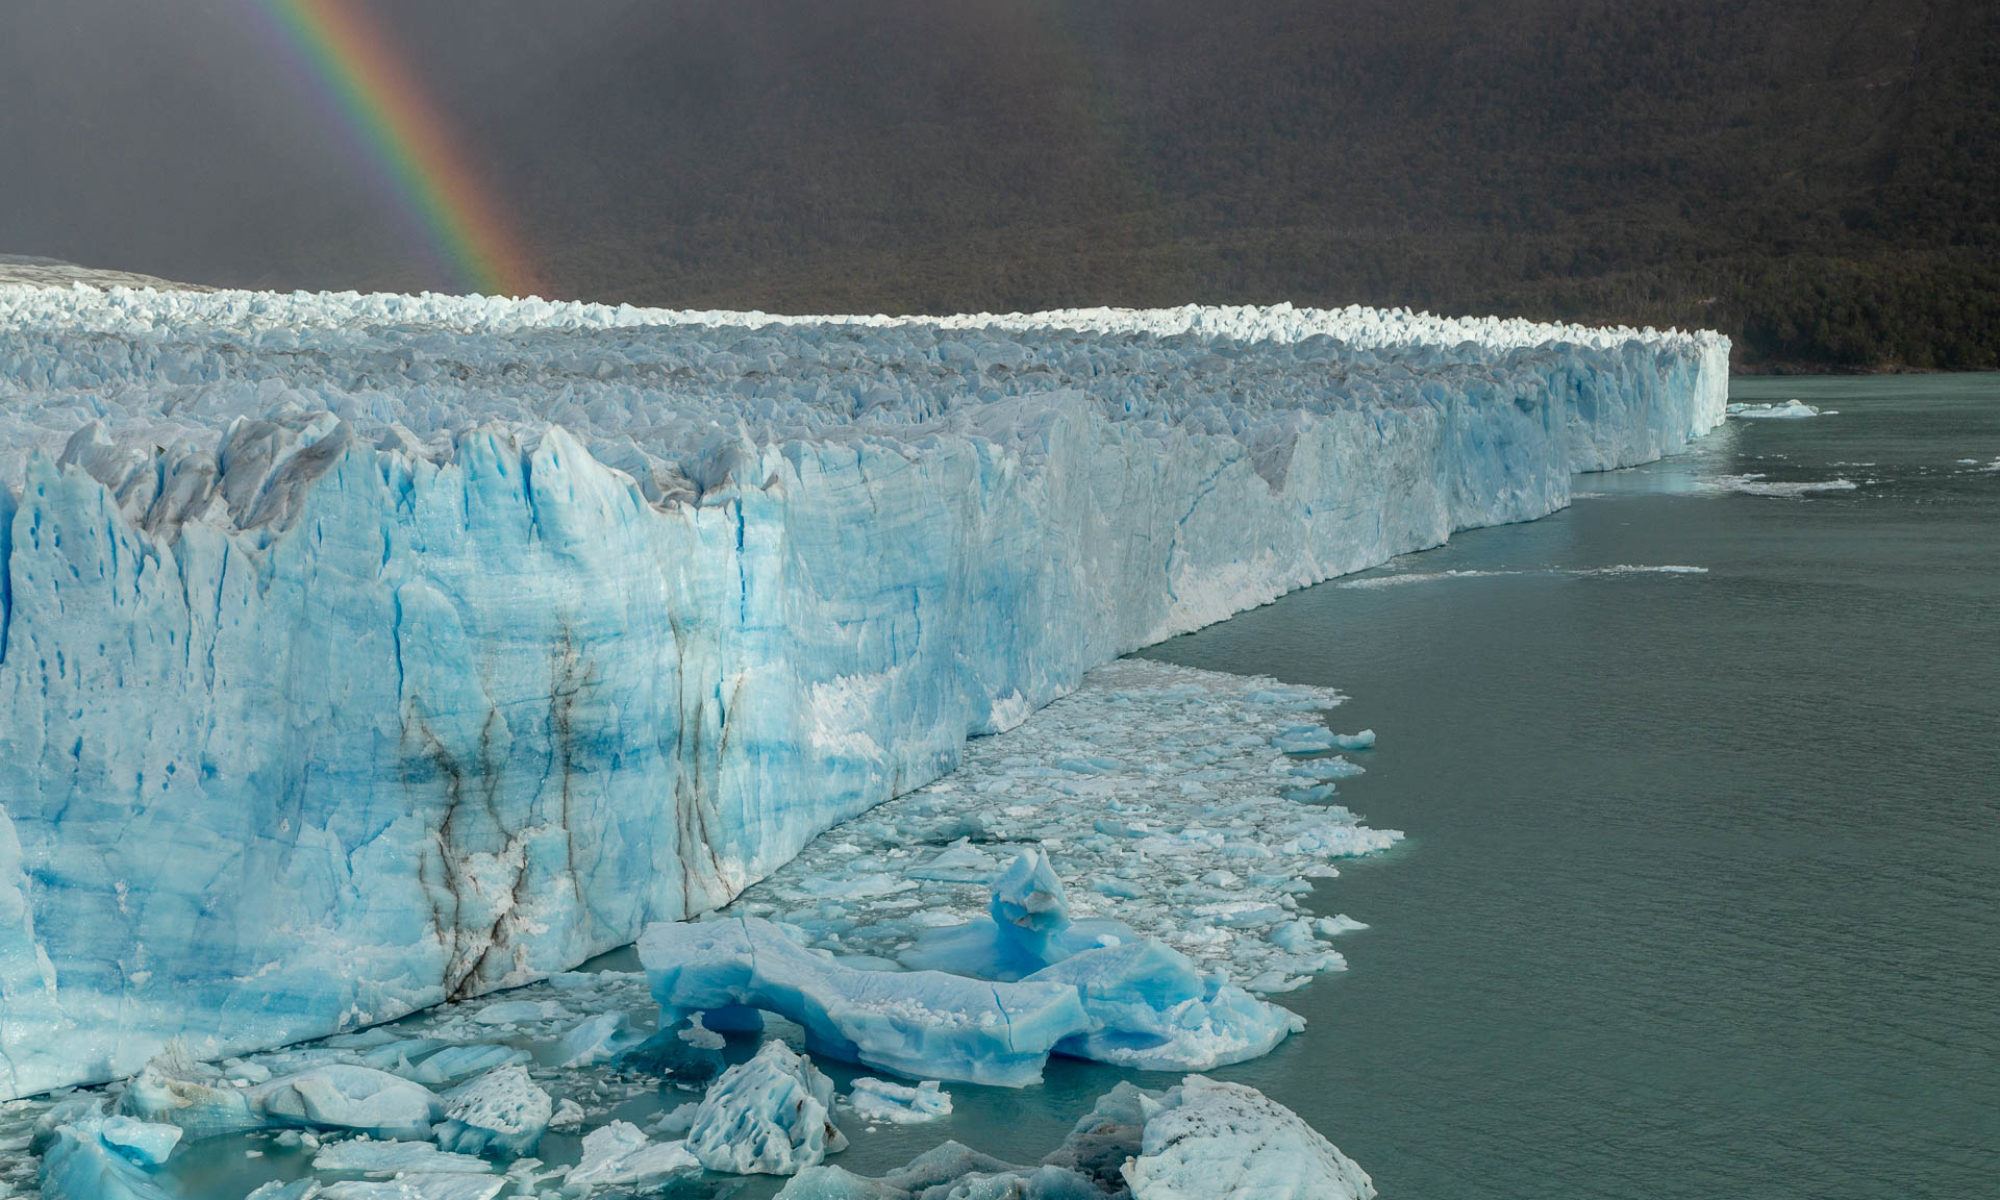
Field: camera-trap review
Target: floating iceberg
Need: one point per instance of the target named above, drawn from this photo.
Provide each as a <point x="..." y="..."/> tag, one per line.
<point x="1757" y="485"/>
<point x="501" y="1113"/>
<point x="619" y="1155"/>
<point x="1201" y="1140"/>
<point x="359" y="653"/>
<point x="917" y="1023"/>
<point x="1223" y="1141"/>
<point x="772" y="1115"/>
<point x="880" y="1100"/>
<point x="371" y="1157"/>
<point x="106" y="1158"/>
<point x="1149" y="1006"/>
<point x="1789" y="410"/>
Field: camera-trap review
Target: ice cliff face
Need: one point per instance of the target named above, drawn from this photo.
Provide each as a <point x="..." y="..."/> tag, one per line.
<point x="361" y="652"/>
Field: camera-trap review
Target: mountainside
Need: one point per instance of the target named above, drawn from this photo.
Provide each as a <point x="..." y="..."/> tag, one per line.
<point x="1818" y="179"/>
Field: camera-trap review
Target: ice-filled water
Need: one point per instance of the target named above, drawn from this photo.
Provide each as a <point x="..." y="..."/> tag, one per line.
<point x="359" y="653"/>
<point x="1179" y="805"/>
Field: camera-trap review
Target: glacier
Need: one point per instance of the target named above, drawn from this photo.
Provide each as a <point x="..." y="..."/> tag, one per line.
<point x="359" y="653"/>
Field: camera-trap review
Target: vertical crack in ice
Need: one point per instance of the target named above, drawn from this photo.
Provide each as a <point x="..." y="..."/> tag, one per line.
<point x="7" y="509"/>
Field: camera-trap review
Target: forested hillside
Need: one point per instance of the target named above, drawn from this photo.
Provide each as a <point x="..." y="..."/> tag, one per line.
<point x="1819" y="178"/>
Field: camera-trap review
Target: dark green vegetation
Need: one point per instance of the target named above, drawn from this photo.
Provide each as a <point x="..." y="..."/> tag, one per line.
<point x="1819" y="178"/>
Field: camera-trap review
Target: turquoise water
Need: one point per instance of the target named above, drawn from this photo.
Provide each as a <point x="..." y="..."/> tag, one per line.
<point x="1702" y="892"/>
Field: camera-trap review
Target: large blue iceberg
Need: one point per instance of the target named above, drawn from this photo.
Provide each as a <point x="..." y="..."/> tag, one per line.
<point x="362" y="652"/>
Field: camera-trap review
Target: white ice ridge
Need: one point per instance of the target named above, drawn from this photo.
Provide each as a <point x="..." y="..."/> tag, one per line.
<point x="357" y="652"/>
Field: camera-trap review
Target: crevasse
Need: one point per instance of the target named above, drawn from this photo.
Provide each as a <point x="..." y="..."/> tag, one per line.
<point x="359" y="652"/>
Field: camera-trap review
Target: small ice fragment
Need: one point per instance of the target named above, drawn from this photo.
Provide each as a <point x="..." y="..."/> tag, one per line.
<point x="176" y="1090"/>
<point x="454" y="1063"/>
<point x="879" y="1100"/>
<point x="1790" y="410"/>
<point x="678" y="1121"/>
<point x="568" y="1115"/>
<point x="371" y="1157"/>
<point x="1365" y="740"/>
<point x="620" y="1155"/>
<point x="510" y="1012"/>
<point x="961" y="862"/>
<point x="143" y="1142"/>
<point x="438" y="1186"/>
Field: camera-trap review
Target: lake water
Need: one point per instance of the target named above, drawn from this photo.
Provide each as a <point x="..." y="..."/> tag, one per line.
<point x="1702" y="890"/>
<point x="1702" y="894"/>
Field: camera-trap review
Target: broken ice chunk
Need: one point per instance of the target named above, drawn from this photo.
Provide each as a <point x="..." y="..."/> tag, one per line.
<point x="921" y="1023"/>
<point x="370" y="1157"/>
<point x="618" y="1155"/>
<point x="501" y="1113"/>
<point x="1029" y="928"/>
<point x="769" y="1116"/>
<point x="961" y="862"/>
<point x="429" y="1186"/>
<point x="598" y="1039"/>
<point x="176" y="1090"/>
<point x="339" y="1096"/>
<point x="454" y="1063"/>
<point x="1206" y="1140"/>
<point x="1152" y="1009"/>
<point x="1304" y="739"/>
<point x="1335" y="767"/>
<point x="83" y="1163"/>
<point x="879" y="1100"/>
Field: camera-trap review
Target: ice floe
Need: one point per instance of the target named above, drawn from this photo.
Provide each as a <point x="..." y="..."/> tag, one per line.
<point x="880" y="1100"/>
<point x="1759" y="485"/>
<point x="1789" y="410"/>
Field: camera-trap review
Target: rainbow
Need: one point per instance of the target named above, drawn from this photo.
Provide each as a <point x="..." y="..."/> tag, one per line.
<point x="410" y="146"/>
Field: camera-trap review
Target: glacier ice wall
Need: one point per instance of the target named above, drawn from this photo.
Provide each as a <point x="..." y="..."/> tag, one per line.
<point x="360" y="652"/>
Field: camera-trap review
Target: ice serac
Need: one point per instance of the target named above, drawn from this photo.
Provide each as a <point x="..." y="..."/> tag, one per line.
<point x="359" y="652"/>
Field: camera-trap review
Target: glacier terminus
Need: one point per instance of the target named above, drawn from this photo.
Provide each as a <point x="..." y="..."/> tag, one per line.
<point x="360" y="653"/>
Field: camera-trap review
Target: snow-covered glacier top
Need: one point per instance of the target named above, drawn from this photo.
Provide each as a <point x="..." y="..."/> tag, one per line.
<point x="670" y="397"/>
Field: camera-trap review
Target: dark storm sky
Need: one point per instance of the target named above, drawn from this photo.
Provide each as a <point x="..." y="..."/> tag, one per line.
<point x="1016" y="152"/>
